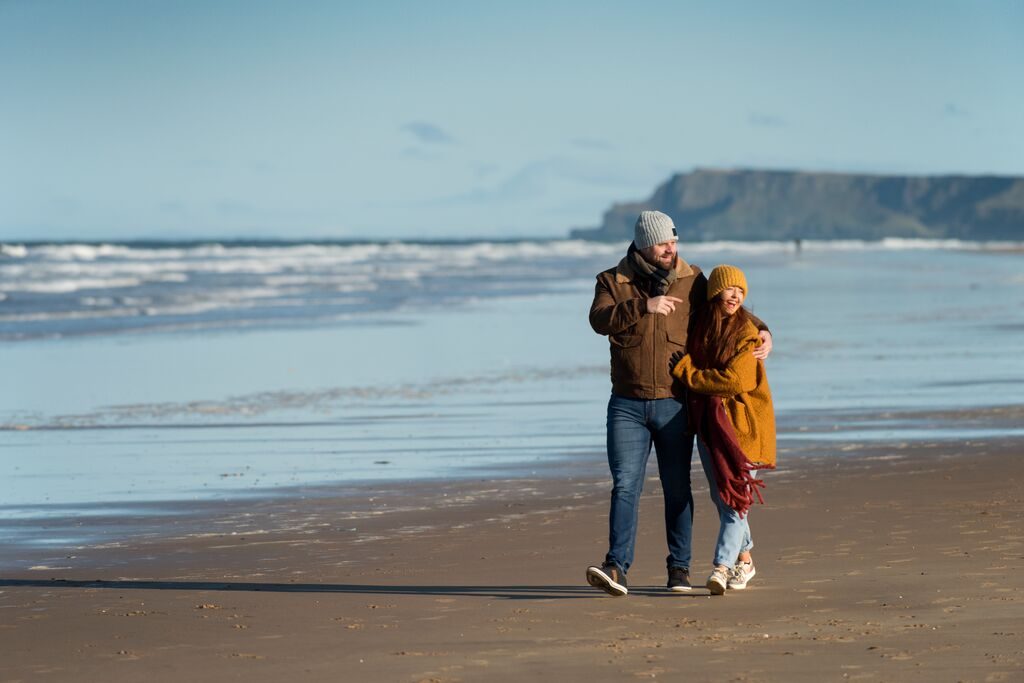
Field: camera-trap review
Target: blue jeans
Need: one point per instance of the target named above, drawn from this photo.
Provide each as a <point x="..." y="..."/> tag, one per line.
<point x="733" y="530"/>
<point x="633" y="425"/>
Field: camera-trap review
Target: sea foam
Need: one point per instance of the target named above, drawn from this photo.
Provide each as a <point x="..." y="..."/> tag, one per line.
<point x="62" y="289"/>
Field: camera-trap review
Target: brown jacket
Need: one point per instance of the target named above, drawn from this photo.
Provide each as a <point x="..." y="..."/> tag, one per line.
<point x="642" y="343"/>
<point x="743" y="388"/>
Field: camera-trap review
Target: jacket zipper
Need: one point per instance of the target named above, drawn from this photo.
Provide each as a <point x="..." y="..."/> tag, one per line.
<point x="654" y="353"/>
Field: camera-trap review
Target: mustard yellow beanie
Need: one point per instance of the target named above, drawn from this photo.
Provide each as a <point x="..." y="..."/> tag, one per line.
<point x="723" y="277"/>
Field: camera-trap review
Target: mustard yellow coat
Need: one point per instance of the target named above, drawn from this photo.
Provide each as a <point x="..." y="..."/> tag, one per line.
<point x="743" y="386"/>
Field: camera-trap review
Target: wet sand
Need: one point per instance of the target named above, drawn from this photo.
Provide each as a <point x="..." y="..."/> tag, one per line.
<point x="877" y="563"/>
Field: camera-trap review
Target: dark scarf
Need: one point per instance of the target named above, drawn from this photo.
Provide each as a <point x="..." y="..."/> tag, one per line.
<point x="736" y="486"/>
<point x="653" y="279"/>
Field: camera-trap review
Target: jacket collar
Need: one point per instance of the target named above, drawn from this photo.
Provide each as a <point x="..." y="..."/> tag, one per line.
<point x="625" y="272"/>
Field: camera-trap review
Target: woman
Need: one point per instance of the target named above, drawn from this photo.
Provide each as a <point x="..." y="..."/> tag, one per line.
<point x="730" y="409"/>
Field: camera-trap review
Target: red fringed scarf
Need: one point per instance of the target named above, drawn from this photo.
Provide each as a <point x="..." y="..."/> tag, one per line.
<point x="736" y="486"/>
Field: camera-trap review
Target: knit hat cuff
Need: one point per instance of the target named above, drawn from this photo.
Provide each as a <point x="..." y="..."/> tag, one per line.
<point x="723" y="277"/>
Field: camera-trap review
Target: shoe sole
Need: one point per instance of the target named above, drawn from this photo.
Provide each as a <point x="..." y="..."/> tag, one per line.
<point x="598" y="579"/>
<point x="680" y="589"/>
<point x="716" y="588"/>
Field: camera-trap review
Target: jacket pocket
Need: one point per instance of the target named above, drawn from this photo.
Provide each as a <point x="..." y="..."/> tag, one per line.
<point x="625" y="341"/>
<point x="739" y="416"/>
<point x="627" y="358"/>
<point x="676" y="339"/>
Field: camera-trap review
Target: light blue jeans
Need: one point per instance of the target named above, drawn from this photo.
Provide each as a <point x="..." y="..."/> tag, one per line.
<point x="633" y="425"/>
<point x="733" y="530"/>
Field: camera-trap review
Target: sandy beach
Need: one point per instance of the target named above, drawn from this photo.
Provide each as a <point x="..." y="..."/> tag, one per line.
<point x="877" y="563"/>
<point x="315" y="318"/>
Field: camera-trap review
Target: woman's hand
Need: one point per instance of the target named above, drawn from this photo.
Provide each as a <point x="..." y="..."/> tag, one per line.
<point x="761" y="352"/>
<point x="674" y="362"/>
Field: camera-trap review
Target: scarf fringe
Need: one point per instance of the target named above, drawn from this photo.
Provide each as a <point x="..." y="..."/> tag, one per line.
<point x="737" y="487"/>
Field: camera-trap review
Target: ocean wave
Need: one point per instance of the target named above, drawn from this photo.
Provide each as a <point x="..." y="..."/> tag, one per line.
<point x="13" y="250"/>
<point x="949" y="244"/>
<point x="335" y="252"/>
<point x="69" y="315"/>
<point x="482" y="250"/>
<point x="66" y="286"/>
<point x="44" y="286"/>
<point x="887" y="244"/>
<point x="91" y="252"/>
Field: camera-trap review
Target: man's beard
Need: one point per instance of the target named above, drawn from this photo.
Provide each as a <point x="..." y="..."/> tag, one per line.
<point x="664" y="264"/>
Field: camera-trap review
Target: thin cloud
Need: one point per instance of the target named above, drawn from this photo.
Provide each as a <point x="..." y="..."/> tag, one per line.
<point x="591" y="143"/>
<point x="763" y="120"/>
<point x="173" y="206"/>
<point x="419" y="154"/>
<point x="428" y="133"/>
<point x="542" y="178"/>
<point x="955" y="111"/>
<point x="235" y="208"/>
<point x="484" y="170"/>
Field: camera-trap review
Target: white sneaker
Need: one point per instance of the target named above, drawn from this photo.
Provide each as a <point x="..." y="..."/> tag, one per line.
<point x="740" y="575"/>
<point x="718" y="581"/>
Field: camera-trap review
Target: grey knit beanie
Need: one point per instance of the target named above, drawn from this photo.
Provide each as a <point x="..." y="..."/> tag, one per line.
<point x="653" y="227"/>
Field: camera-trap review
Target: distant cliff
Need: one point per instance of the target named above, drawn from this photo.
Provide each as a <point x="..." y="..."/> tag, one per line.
<point x="774" y="205"/>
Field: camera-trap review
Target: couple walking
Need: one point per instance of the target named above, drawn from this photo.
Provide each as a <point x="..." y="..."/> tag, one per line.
<point x="686" y="361"/>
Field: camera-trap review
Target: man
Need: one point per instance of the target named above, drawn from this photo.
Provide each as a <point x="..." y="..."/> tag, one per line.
<point x="643" y="305"/>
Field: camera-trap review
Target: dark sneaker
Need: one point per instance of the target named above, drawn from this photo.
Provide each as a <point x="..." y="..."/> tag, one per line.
<point x="718" y="580"/>
<point x="609" y="578"/>
<point x="679" y="579"/>
<point x="740" y="575"/>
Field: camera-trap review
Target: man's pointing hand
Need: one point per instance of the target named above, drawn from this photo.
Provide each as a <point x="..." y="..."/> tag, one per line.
<point x="662" y="304"/>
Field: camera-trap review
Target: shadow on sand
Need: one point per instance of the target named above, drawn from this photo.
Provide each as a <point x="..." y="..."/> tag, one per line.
<point x="500" y="592"/>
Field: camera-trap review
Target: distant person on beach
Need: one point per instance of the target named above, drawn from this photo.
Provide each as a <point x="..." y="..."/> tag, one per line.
<point x="730" y="410"/>
<point x="643" y="305"/>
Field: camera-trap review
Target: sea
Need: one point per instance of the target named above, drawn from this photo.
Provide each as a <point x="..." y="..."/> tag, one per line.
<point x="168" y="374"/>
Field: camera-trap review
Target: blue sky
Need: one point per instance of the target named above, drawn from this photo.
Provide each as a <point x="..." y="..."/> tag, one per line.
<point x="184" y="119"/>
